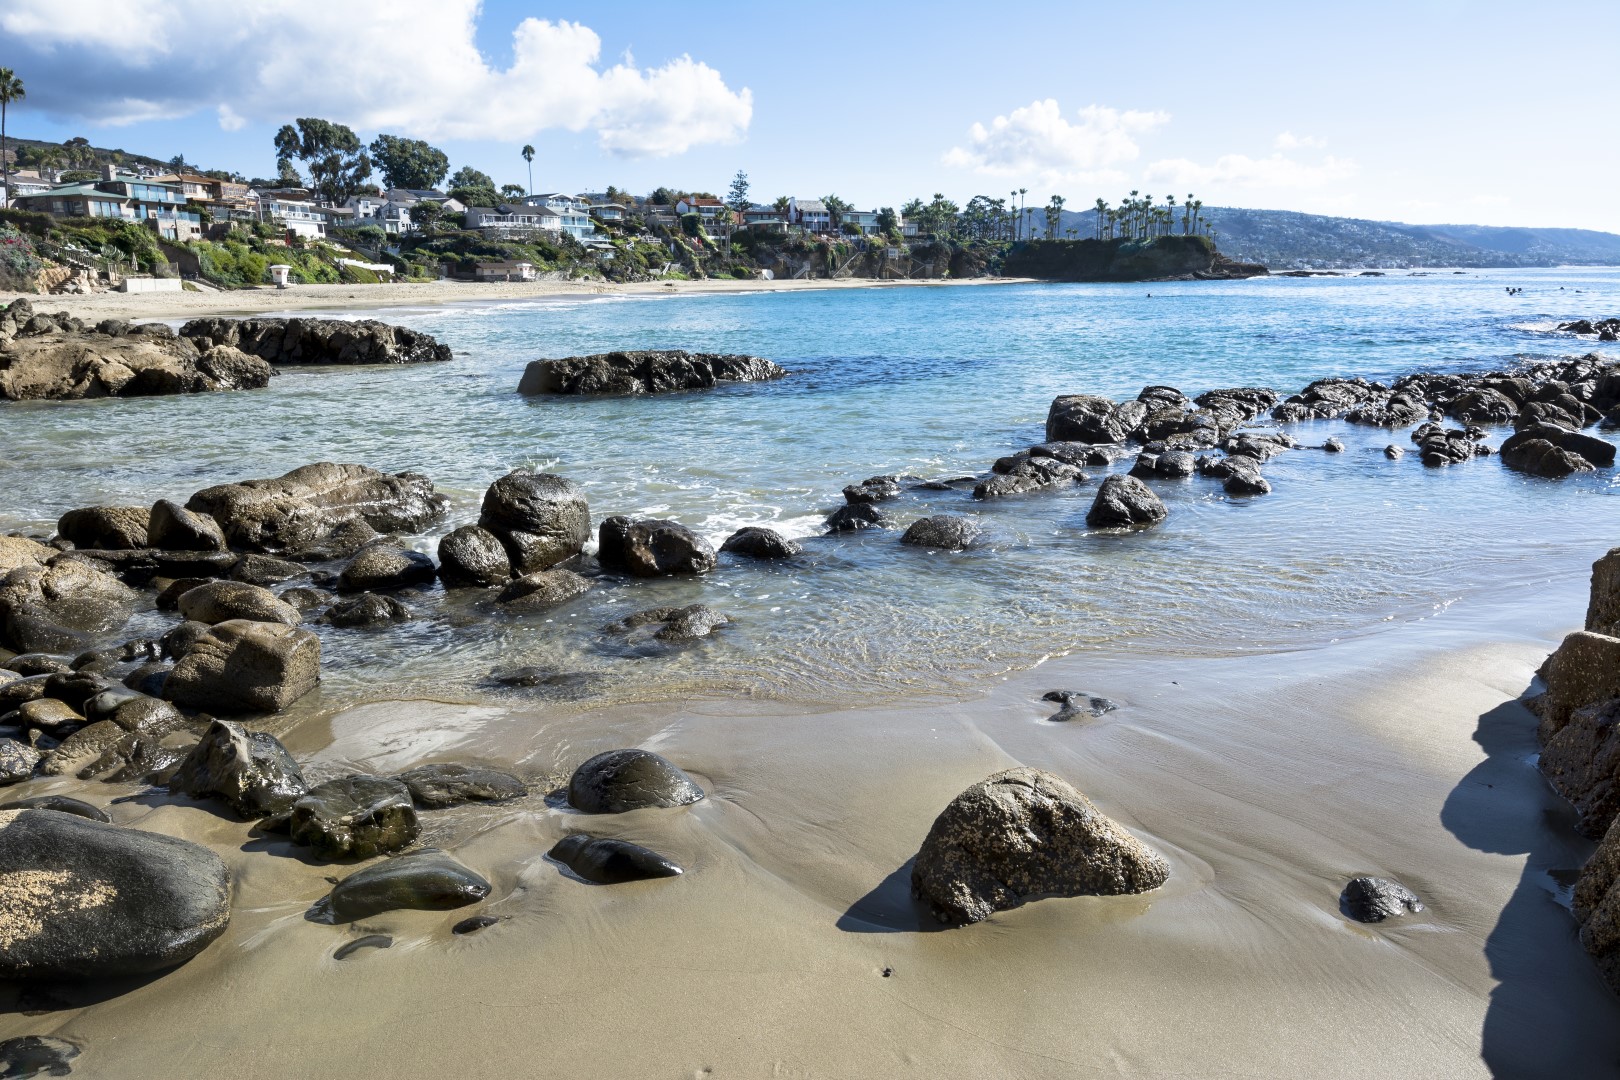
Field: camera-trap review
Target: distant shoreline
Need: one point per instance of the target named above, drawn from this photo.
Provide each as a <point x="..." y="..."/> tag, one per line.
<point x="264" y="300"/>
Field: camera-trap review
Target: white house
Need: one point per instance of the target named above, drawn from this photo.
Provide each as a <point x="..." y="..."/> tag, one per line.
<point x="501" y="220"/>
<point x="810" y="215"/>
<point x="573" y="213"/>
<point x="505" y="270"/>
<point x="608" y="211"/>
<point x="298" y="216"/>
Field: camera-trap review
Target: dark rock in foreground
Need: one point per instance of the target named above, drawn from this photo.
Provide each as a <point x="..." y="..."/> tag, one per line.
<point x="540" y="518"/>
<point x="610" y="862"/>
<point x="648" y="547"/>
<point x="243" y="667"/>
<point x="541" y="591"/>
<point x="427" y="880"/>
<point x="318" y="341"/>
<point x="84" y="900"/>
<point x="760" y="543"/>
<point x="644" y="372"/>
<point x="250" y="770"/>
<point x="292" y="512"/>
<point x="852" y="517"/>
<point x="473" y="556"/>
<point x="60" y="804"/>
<point x="437" y="786"/>
<point x="951" y="532"/>
<point x="355" y="817"/>
<point x="1125" y="502"/>
<point x="36" y="1055"/>
<point x="621" y="780"/>
<point x="1372" y="899"/>
<point x="1076" y="704"/>
<point x="1021" y="835"/>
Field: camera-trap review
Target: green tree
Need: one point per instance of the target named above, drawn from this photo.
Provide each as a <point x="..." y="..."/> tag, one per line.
<point x="11" y="90"/>
<point x="336" y="161"/>
<point x="469" y="177"/>
<point x="836" y="209"/>
<point x="512" y="192"/>
<point x="663" y="196"/>
<point x="1102" y="210"/>
<point x="528" y="159"/>
<point x="409" y="163"/>
<point x="782" y="205"/>
<point x="738" y="198"/>
<point x="1054" y="216"/>
<point x="888" y="221"/>
<point x="425" y="216"/>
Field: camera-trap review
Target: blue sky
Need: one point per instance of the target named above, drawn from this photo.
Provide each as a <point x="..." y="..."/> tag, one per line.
<point x="1425" y="110"/>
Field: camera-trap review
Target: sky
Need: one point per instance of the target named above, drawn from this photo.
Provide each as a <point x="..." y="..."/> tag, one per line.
<point x="1427" y="111"/>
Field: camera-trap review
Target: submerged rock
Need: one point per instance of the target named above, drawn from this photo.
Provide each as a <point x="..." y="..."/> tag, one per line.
<point x="450" y="784"/>
<point x="426" y="880"/>
<point x="610" y="862"/>
<point x="295" y="511"/>
<point x="1076" y="704"/>
<point x="853" y="517"/>
<point x="250" y="770"/>
<point x="1125" y="502"/>
<point x="541" y="590"/>
<point x="621" y="780"/>
<point x="952" y="532"/>
<point x="1022" y="835"/>
<point x="366" y="610"/>
<point x="760" y="543"/>
<point x="670" y="625"/>
<point x="648" y="547"/>
<point x="60" y="804"/>
<point x="85" y="900"/>
<point x="241" y="666"/>
<point x="1373" y="899"/>
<point x="355" y="817"/>
<point x="643" y="372"/>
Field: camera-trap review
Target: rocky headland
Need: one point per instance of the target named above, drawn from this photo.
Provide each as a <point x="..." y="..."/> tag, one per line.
<point x="656" y="371"/>
<point x="1160" y="258"/>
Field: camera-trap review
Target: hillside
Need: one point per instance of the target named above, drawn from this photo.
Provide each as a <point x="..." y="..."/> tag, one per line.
<point x="1283" y="239"/>
<point x="1158" y="259"/>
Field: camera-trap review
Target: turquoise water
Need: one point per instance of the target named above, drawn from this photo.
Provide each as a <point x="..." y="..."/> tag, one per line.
<point x="928" y="382"/>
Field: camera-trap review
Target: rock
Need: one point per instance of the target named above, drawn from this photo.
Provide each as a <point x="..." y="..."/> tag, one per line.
<point x="294" y="511"/>
<point x="86" y="744"/>
<point x="264" y="570"/>
<point x="59" y="804"/>
<point x="474" y="923"/>
<point x="610" y="862"/>
<point x="1552" y="451"/>
<point x="472" y="555"/>
<point x="179" y="640"/>
<point x="355" y="817"/>
<point x="1077" y="703"/>
<point x="62" y="607"/>
<point x="642" y="372"/>
<point x="17" y="761"/>
<point x="621" y="780"/>
<point x="1259" y="446"/>
<point x="1372" y="899"/>
<point x="133" y="712"/>
<point x="437" y="786"/>
<point x="117" y="528"/>
<point x="175" y="528"/>
<point x="953" y="532"/>
<point x="58" y="718"/>
<point x="250" y="770"/>
<point x="222" y="601"/>
<point x="18" y="551"/>
<point x="872" y="490"/>
<point x="1125" y="502"/>
<point x="86" y="900"/>
<point x="670" y="625"/>
<point x="755" y="542"/>
<point x="17" y="692"/>
<point x="541" y="591"/>
<point x="1483" y="405"/>
<point x="149" y="679"/>
<point x="648" y="547"/>
<point x="242" y="666"/>
<point x="1597" y="906"/>
<point x="382" y="566"/>
<point x="1439" y="447"/>
<point x="547" y="682"/>
<point x="1022" y="835"/>
<point x="1603" y="609"/>
<point x="852" y="518"/>
<point x="426" y="880"/>
<point x="367" y="610"/>
<point x="1028" y="474"/>
<point x="318" y="341"/>
<point x="342" y="542"/>
<point x="36" y="1055"/>
<point x="1333" y="446"/>
<point x="1243" y="477"/>
<point x="1088" y="419"/>
<point x="27" y="665"/>
<point x="1584" y="670"/>
<point x="541" y="519"/>
<point x="370" y="941"/>
<point x="1582" y="762"/>
<point x="74" y="365"/>
<point x="304" y="598"/>
<point x="1393" y="452"/>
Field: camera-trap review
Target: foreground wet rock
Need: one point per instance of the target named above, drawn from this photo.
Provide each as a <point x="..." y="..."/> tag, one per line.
<point x="1125" y="502"/>
<point x="317" y="341"/>
<point x="250" y="770"/>
<point x="437" y="786"/>
<point x="61" y="607"/>
<point x="1021" y="835"/>
<point x="60" y="804"/>
<point x="244" y="667"/>
<point x="648" y="547"/>
<point x="111" y="528"/>
<point x="36" y="1055"/>
<point x="643" y="372"/>
<point x="757" y="542"/>
<point x="1374" y="899"/>
<point x="541" y="591"/>
<point x="621" y="780"/>
<point x="611" y="862"/>
<point x="384" y="567"/>
<point x="354" y="817"/>
<point x="426" y="880"/>
<point x="853" y="517"/>
<point x="669" y="624"/>
<point x="1077" y="704"/>
<point x="85" y="900"/>
<point x="288" y="513"/>
<point x="1596" y="905"/>
<point x="540" y="518"/>
<point x="366" y="611"/>
<point x="950" y="532"/>
<point x="474" y="556"/>
<point x="222" y="601"/>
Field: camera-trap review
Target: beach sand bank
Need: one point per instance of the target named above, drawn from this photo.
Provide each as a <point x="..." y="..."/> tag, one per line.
<point x="790" y="947"/>
<point x="267" y="300"/>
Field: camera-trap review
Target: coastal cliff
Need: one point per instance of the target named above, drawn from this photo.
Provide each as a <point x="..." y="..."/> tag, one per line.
<point x="1157" y="259"/>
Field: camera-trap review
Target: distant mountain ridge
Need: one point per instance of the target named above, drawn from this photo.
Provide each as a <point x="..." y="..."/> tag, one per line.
<point x="1285" y="239"/>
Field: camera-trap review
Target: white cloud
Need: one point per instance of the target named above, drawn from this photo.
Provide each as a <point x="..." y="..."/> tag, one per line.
<point x="1242" y="171"/>
<point x="405" y="66"/>
<point x="1038" y="142"/>
<point x="1289" y="141"/>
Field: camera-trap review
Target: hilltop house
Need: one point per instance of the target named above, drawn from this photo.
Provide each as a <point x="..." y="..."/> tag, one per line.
<point x="506" y="220"/>
<point x="811" y="215"/>
<point x="608" y="211"/>
<point x="573" y="213"/>
<point x="299" y="216"/>
<point x="130" y="198"/>
<point x="710" y="211"/>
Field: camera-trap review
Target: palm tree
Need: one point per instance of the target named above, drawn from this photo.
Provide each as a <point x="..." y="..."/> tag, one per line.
<point x="11" y="89"/>
<point x="50" y="159"/>
<point x="782" y="205"/>
<point x="1102" y="208"/>
<point x="528" y="156"/>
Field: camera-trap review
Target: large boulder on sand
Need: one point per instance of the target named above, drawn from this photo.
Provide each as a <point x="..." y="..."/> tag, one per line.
<point x="1584" y="670"/>
<point x="85" y="900"/>
<point x="647" y="547"/>
<point x="621" y="780"/>
<point x="642" y="372"/>
<point x="1125" y="502"/>
<point x="540" y="518"/>
<point x="318" y="341"/>
<point x="250" y="770"/>
<point x="242" y="667"/>
<point x="110" y="528"/>
<point x="1582" y="762"/>
<point x="291" y="512"/>
<point x="1022" y="835"/>
<point x="426" y="880"/>
<point x="1597" y="906"/>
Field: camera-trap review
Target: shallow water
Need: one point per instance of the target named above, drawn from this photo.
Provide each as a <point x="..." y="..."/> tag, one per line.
<point x="927" y="382"/>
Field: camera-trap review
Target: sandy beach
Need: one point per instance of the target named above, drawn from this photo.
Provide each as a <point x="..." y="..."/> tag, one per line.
<point x="268" y="300"/>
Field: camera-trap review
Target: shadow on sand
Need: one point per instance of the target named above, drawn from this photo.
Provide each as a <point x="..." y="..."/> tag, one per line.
<point x="1550" y="1013"/>
<point x="889" y="909"/>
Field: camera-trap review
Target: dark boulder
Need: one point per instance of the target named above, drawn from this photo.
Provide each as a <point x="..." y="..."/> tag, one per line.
<point x="264" y="570"/>
<point x="61" y="608"/>
<point x="366" y="610"/>
<point x="1372" y="899"/>
<point x="1552" y="451"/>
<point x="621" y="780"/>
<point x="60" y="804"/>
<point x="1603" y="605"/>
<point x="610" y="862"/>
<point x="1028" y="473"/>
<point x="355" y="817"/>
<point x="1243" y="477"/>
<point x="952" y="532"/>
<point x="250" y="770"/>
<point x="1125" y="502"/>
<point x="115" y="528"/>
<point x="473" y="556"/>
<point x="761" y="543"/>
<point x="649" y="547"/>
<point x="1086" y="418"/>
<point x="643" y="372"/>
<point x="241" y="666"/>
<point x="222" y="601"/>
<point x="854" y="517"/>
<point x="437" y="786"/>
<point x="18" y="761"/>
<point x="540" y="518"/>
<point x="1021" y="835"/>
<point x="874" y="489"/>
<point x="541" y="591"/>
<point x="426" y="880"/>
<point x="381" y="566"/>
<point x="1581" y="760"/>
<point x="86" y="900"/>
<point x="291" y="512"/>
<point x="174" y="528"/>
<point x="670" y="625"/>
<point x="318" y="341"/>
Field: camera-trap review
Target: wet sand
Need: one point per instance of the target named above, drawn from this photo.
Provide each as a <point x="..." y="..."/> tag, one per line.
<point x="267" y="300"/>
<point x="1268" y="780"/>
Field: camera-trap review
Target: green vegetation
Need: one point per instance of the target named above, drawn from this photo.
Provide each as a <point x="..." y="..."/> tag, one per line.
<point x="409" y="163"/>
<point x="19" y="261"/>
<point x="333" y="155"/>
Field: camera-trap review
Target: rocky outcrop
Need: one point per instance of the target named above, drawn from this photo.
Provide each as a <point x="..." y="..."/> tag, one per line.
<point x="57" y="358"/>
<point x="1155" y="259"/>
<point x="1596" y="904"/>
<point x="246" y="667"/>
<point x="1603" y="605"/>
<point x="643" y="372"/>
<point x="290" y="512"/>
<point x="621" y="780"/>
<point x="317" y="341"/>
<point x="1553" y="451"/>
<point x="250" y="770"/>
<point x="1021" y="835"/>
<point x="84" y="900"/>
<point x="541" y="519"/>
<point x="648" y="547"/>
